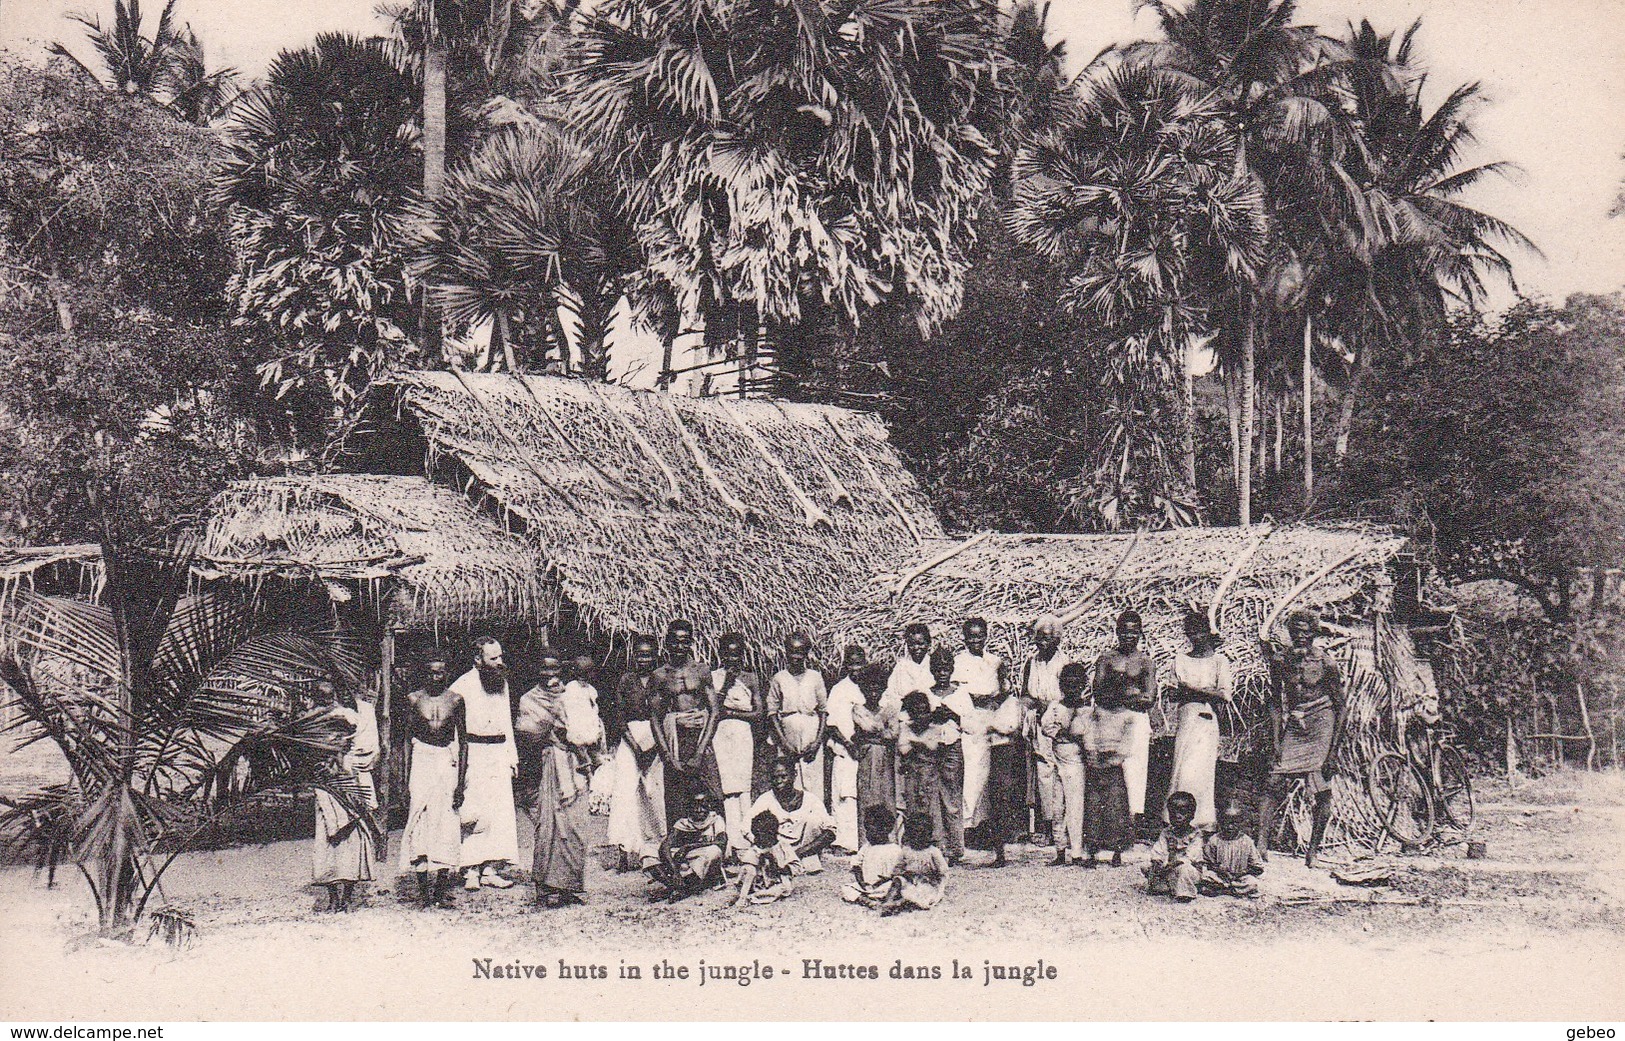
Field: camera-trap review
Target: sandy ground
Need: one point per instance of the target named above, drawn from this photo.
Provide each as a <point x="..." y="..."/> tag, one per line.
<point x="1535" y="932"/>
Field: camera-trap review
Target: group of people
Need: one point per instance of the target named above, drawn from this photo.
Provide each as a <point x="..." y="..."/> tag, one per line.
<point x="713" y="776"/>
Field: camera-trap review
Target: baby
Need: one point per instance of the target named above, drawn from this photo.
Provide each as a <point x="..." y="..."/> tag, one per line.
<point x="922" y="870"/>
<point x="764" y="865"/>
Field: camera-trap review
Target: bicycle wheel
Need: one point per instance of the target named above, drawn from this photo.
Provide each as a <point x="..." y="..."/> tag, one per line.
<point x="1402" y="797"/>
<point x="1455" y="788"/>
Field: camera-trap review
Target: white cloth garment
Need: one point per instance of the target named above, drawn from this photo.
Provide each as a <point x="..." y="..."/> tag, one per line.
<point x="799" y="701"/>
<point x="637" y="807"/>
<point x="843" y="769"/>
<point x="1138" y="761"/>
<point x="1042" y="684"/>
<point x="1196" y="742"/>
<point x="976" y="678"/>
<point x="907" y="676"/>
<point x="796" y="826"/>
<point x="490" y="830"/>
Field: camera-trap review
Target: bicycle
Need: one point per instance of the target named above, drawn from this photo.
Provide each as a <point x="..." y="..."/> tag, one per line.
<point x="1423" y="787"/>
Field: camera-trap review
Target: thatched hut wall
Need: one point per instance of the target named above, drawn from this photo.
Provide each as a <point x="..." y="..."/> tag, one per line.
<point x="745" y="516"/>
<point x="1011" y="579"/>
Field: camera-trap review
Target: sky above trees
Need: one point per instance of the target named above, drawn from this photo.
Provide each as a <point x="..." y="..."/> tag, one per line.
<point x="1554" y="74"/>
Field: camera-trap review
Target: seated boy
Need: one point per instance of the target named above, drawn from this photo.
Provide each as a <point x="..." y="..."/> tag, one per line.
<point x="691" y="855"/>
<point x="1231" y="860"/>
<point x="1176" y="859"/>
<point x="874" y="867"/>
<point x="765" y="864"/>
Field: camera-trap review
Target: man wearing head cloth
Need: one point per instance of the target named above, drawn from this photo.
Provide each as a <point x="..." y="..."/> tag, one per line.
<point x="1040" y="687"/>
<point x="1308" y="712"/>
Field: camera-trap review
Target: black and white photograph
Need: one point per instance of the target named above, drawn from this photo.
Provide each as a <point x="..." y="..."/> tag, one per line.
<point x="1107" y="511"/>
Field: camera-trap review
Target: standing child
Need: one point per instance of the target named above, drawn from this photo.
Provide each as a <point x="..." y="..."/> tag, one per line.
<point x="1230" y="859"/>
<point x="1066" y="755"/>
<point x="764" y="865"/>
<point x="1176" y="858"/>
<point x="1105" y="731"/>
<point x="918" y="740"/>
<point x="343" y="850"/>
<point x="922" y="870"/>
<point x="874" y="867"/>
<point x="690" y="857"/>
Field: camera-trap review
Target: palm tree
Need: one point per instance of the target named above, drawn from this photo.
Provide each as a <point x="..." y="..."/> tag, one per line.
<point x="153" y="697"/>
<point x="166" y="67"/>
<point x="1272" y="81"/>
<point x="788" y="162"/>
<point x="1133" y="191"/>
<point x="477" y="61"/>
<point x="526" y="229"/>
<point x="194" y="93"/>
<point x="132" y="63"/>
<point x="319" y="187"/>
<point x="1407" y="247"/>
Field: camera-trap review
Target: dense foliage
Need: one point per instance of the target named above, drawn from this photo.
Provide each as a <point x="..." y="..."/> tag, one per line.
<point x="318" y="189"/>
<point x="1501" y="440"/>
<point x="115" y="367"/>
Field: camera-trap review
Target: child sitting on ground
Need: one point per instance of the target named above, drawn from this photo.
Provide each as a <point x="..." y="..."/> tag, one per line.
<point x="1176" y="859"/>
<point x="691" y="854"/>
<point x="1231" y="860"/>
<point x="922" y="870"/>
<point x="765" y="864"/>
<point x="874" y="867"/>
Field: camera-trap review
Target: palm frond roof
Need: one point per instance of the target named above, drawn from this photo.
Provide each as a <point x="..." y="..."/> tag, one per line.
<point x="739" y="515"/>
<point x="418" y="548"/>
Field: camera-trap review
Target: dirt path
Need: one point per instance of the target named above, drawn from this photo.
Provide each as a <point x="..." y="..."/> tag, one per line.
<point x="1537" y="932"/>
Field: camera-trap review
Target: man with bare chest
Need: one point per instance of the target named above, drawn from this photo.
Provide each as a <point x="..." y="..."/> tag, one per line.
<point x="438" y="738"/>
<point x="688" y="712"/>
<point x="1127" y="676"/>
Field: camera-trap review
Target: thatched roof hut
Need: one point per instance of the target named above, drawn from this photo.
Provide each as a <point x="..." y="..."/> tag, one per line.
<point x="1011" y="579"/>
<point x="1346" y="572"/>
<point x="420" y="551"/>
<point x="74" y="568"/>
<point x="741" y="515"/>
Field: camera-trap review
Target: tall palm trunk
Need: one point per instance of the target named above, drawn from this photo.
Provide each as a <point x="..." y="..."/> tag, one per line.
<point x="1187" y="407"/>
<point x="1308" y="409"/>
<point x="1249" y="406"/>
<point x="1280" y="437"/>
<point x="434" y="166"/>
<point x="1233" y="415"/>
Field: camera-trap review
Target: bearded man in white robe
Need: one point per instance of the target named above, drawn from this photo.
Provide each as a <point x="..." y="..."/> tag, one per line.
<point x="490" y="829"/>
